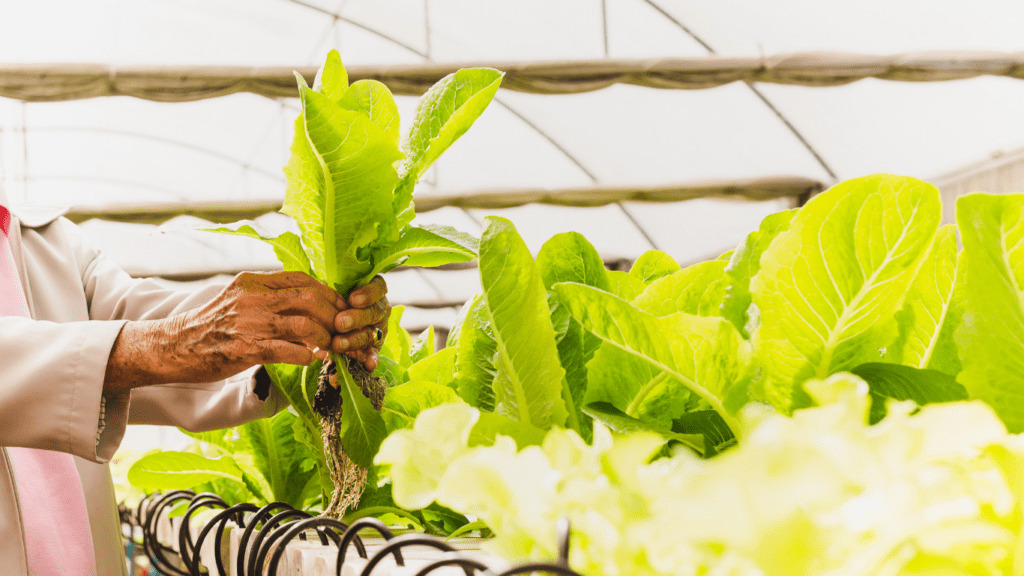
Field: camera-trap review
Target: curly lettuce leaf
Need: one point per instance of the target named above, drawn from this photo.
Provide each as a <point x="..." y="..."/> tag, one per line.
<point x="829" y="286"/>
<point x="403" y="403"/>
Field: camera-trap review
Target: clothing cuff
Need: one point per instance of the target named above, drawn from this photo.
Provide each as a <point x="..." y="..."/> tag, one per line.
<point x="89" y="367"/>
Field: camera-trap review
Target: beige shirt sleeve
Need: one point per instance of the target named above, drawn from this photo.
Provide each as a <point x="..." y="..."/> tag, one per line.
<point x="51" y="373"/>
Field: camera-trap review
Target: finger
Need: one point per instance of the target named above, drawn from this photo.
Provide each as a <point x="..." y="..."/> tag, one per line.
<point x="286" y="280"/>
<point x="299" y="329"/>
<point x="304" y="302"/>
<point x="281" y="352"/>
<point x="353" y="340"/>
<point x="370" y="294"/>
<point x="356" y="318"/>
<point x="367" y="356"/>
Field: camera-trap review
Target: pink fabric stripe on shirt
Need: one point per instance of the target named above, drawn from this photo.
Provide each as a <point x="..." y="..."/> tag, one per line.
<point x="58" y="539"/>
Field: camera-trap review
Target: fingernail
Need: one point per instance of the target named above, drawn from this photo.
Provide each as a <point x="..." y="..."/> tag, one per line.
<point x="358" y="300"/>
<point x="346" y="322"/>
<point x="344" y="343"/>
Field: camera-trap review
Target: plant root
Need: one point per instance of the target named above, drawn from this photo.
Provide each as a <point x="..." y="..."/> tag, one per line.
<point x="349" y="479"/>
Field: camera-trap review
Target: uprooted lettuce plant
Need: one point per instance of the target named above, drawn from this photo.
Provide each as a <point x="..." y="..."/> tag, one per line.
<point x="350" y="182"/>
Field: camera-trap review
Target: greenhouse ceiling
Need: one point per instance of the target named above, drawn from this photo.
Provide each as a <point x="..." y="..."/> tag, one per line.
<point x="749" y="96"/>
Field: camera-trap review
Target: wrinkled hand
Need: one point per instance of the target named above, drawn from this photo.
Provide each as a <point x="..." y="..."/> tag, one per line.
<point x="257" y="319"/>
<point x="363" y="327"/>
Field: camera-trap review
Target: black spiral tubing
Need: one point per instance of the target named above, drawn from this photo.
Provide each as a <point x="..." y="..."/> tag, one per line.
<point x="277" y="530"/>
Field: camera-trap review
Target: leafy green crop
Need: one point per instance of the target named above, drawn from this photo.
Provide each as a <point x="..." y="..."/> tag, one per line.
<point x="350" y="181"/>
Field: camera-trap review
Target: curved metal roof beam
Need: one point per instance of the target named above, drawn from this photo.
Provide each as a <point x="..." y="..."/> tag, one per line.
<point x="789" y="125"/>
<point x="502" y="103"/>
<point x="177" y="143"/>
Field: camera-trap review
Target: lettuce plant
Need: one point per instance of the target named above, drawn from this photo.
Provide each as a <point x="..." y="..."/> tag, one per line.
<point x="350" y="182"/>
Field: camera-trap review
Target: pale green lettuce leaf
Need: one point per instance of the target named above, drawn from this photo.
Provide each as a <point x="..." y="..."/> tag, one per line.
<point x="829" y="286"/>
<point x="419" y="456"/>
<point x="652" y="265"/>
<point x="569" y="257"/>
<point x="427" y="246"/>
<point x="397" y="343"/>
<point x="706" y="355"/>
<point x="439" y="367"/>
<point x="696" y="289"/>
<point x="332" y="78"/>
<point x="744" y="263"/>
<point x="925" y="340"/>
<point x="635" y="386"/>
<point x="625" y="285"/>
<point x="403" y="403"/>
<point x="486" y="431"/>
<point x="393" y="373"/>
<point x="474" y="359"/>
<point x="528" y="384"/>
<point x="340" y="209"/>
<point x="171" y="470"/>
<point x="443" y="114"/>
<point x="375" y="100"/>
<point x="287" y="247"/>
<point x="991" y="336"/>
<point x="423" y="346"/>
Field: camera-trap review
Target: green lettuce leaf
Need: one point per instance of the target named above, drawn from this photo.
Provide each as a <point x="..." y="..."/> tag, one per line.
<point x="528" y="384"/>
<point x="423" y="346"/>
<point x="403" y="403"/>
<point x="439" y="367"/>
<point x="278" y="456"/>
<point x="652" y="265"/>
<point x="332" y="78"/>
<point x="474" y="359"/>
<point x="829" y="286"/>
<point x="443" y="114"/>
<point x="634" y="386"/>
<point x="362" y="428"/>
<point x="709" y="424"/>
<point x="375" y="101"/>
<point x="906" y="383"/>
<point x="339" y="208"/>
<point x="170" y="470"/>
<point x="744" y="264"/>
<point x="427" y="246"/>
<point x="625" y="285"/>
<point x="696" y="289"/>
<point x="706" y="355"/>
<point x="287" y="247"/>
<point x="491" y="425"/>
<point x="618" y="421"/>
<point x="929" y="316"/>
<point x="991" y="336"/>
<point x="393" y="373"/>
<point x="569" y="257"/>
<point x="398" y="343"/>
